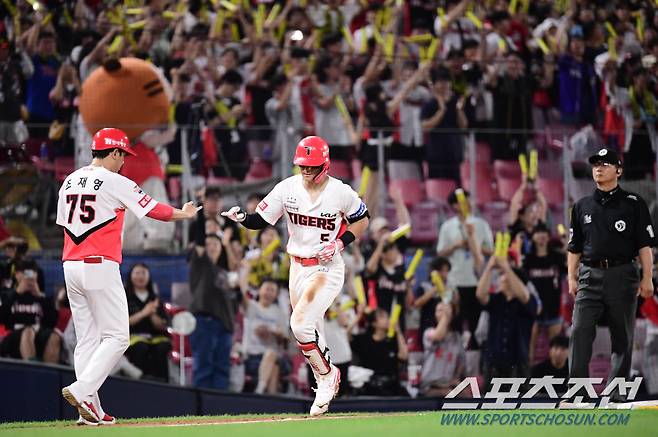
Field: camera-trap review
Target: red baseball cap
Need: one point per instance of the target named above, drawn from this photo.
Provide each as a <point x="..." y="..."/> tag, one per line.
<point x="111" y="138"/>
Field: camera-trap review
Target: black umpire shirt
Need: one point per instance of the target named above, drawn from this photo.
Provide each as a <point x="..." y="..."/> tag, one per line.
<point x="613" y="225"/>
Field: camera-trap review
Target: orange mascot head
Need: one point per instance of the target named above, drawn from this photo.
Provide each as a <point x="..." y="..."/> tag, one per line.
<point x="129" y="94"/>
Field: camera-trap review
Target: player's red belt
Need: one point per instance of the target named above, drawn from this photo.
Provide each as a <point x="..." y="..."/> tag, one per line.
<point x="306" y="262"/>
<point x="93" y="260"/>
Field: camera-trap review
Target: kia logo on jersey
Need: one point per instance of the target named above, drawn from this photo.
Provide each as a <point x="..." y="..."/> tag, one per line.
<point x="328" y="214"/>
<point x="316" y="222"/>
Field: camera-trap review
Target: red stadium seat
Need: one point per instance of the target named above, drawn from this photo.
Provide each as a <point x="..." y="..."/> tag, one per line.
<point x="424" y="223"/>
<point x="411" y="190"/>
<point x="507" y="169"/>
<point x="259" y="169"/>
<point x="439" y="189"/>
<point x="507" y="187"/>
<point x="356" y="169"/>
<point x="64" y="166"/>
<point x="341" y="170"/>
<point x="495" y="214"/>
<point x="553" y="190"/>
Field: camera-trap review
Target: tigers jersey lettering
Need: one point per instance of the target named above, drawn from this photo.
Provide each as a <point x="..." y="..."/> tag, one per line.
<point x="311" y="223"/>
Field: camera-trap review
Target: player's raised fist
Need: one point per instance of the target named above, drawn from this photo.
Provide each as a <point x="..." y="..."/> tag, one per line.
<point x="235" y="214"/>
<point x="326" y="251"/>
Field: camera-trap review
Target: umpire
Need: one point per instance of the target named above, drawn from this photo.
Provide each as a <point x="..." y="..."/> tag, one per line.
<point x="609" y="229"/>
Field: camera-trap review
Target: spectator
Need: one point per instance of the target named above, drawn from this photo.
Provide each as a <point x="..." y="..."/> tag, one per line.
<point x="46" y="66"/>
<point x="337" y="324"/>
<point x="385" y="270"/>
<point x="577" y="83"/>
<point x="212" y="207"/>
<point x="258" y="265"/>
<point x="464" y="241"/>
<point x="546" y="269"/>
<point x="214" y="303"/>
<point x="381" y="354"/>
<point x="16" y="251"/>
<point x="639" y="154"/>
<point x="512" y="310"/>
<point x="64" y="98"/>
<point x="524" y="215"/>
<point x="225" y="116"/>
<point x="512" y="93"/>
<point x="285" y="116"/>
<point x="15" y="68"/>
<point x="265" y="334"/>
<point x="428" y="297"/>
<point x="556" y="364"/>
<point x="443" y="115"/>
<point x="444" y="356"/>
<point x="30" y="317"/>
<point x="380" y="227"/>
<point x="149" y="342"/>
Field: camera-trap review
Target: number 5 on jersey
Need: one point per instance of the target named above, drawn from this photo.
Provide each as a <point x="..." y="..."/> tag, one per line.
<point x="88" y="213"/>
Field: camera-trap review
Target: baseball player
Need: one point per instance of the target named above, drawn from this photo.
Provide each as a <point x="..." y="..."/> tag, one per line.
<point x="323" y="216"/>
<point x="91" y="207"/>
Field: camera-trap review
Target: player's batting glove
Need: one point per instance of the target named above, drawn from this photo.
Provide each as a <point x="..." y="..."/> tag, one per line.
<point x="235" y="214"/>
<point x="326" y="251"/>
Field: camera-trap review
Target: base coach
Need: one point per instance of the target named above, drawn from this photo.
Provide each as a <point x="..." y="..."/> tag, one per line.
<point x="609" y="230"/>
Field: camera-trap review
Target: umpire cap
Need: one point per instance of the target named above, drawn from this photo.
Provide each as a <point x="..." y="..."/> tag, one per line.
<point x="605" y="155"/>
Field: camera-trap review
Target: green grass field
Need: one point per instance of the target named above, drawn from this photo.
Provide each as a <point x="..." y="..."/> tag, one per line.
<point x="492" y="423"/>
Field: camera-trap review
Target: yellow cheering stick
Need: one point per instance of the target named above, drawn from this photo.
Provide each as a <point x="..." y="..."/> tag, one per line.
<point x="270" y="248"/>
<point x="10" y="8"/>
<point x="475" y="20"/>
<point x="442" y="16"/>
<point x="342" y="108"/>
<point x="525" y="5"/>
<point x="542" y="45"/>
<point x="137" y="25"/>
<point x="47" y="19"/>
<point x="219" y="22"/>
<point x="523" y="163"/>
<point x="400" y="232"/>
<point x="610" y="28"/>
<point x="507" y="238"/>
<point x="498" y="245"/>
<point x="274" y="12"/>
<point x="431" y="50"/>
<point x="134" y="11"/>
<point x="639" y="26"/>
<point x="348" y="305"/>
<point x="259" y="19"/>
<point x="364" y="42"/>
<point x="561" y="230"/>
<point x="534" y="163"/>
<point x="612" y="48"/>
<point x="378" y="36"/>
<point x="462" y="202"/>
<point x="421" y="38"/>
<point x="395" y="316"/>
<point x="359" y="290"/>
<point x="512" y="7"/>
<point x="228" y="5"/>
<point x="437" y="281"/>
<point x="347" y="35"/>
<point x="116" y="43"/>
<point x="413" y="265"/>
<point x="365" y="178"/>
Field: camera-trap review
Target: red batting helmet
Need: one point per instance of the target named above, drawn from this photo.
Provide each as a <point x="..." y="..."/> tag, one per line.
<point x="313" y="152"/>
<point x="111" y="138"/>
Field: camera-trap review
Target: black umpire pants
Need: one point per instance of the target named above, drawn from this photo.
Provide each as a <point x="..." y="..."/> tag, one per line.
<point x="604" y="292"/>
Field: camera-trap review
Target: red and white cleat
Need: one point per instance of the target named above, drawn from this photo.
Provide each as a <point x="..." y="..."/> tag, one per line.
<point x="106" y="420"/>
<point x="85" y="408"/>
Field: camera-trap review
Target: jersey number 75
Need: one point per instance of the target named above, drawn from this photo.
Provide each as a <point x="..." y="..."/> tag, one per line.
<point x="87" y="211"/>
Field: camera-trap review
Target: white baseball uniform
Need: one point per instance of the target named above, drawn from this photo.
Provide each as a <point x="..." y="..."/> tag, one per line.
<point x="313" y="285"/>
<point x="91" y="206"/>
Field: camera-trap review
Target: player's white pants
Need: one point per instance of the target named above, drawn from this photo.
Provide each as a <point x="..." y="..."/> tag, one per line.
<point x="312" y="291"/>
<point x="100" y="315"/>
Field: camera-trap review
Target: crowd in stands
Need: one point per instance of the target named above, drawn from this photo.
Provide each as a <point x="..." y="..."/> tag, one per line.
<point x="417" y="76"/>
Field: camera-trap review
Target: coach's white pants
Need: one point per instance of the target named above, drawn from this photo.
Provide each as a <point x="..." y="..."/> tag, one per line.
<point x="312" y="291"/>
<point x="100" y="316"/>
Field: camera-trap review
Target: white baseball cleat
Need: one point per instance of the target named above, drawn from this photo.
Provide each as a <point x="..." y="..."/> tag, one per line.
<point x="328" y="386"/>
<point x="86" y="409"/>
<point x="106" y="420"/>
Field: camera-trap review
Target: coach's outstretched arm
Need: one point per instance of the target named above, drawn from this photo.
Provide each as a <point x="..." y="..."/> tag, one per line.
<point x="167" y="213"/>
